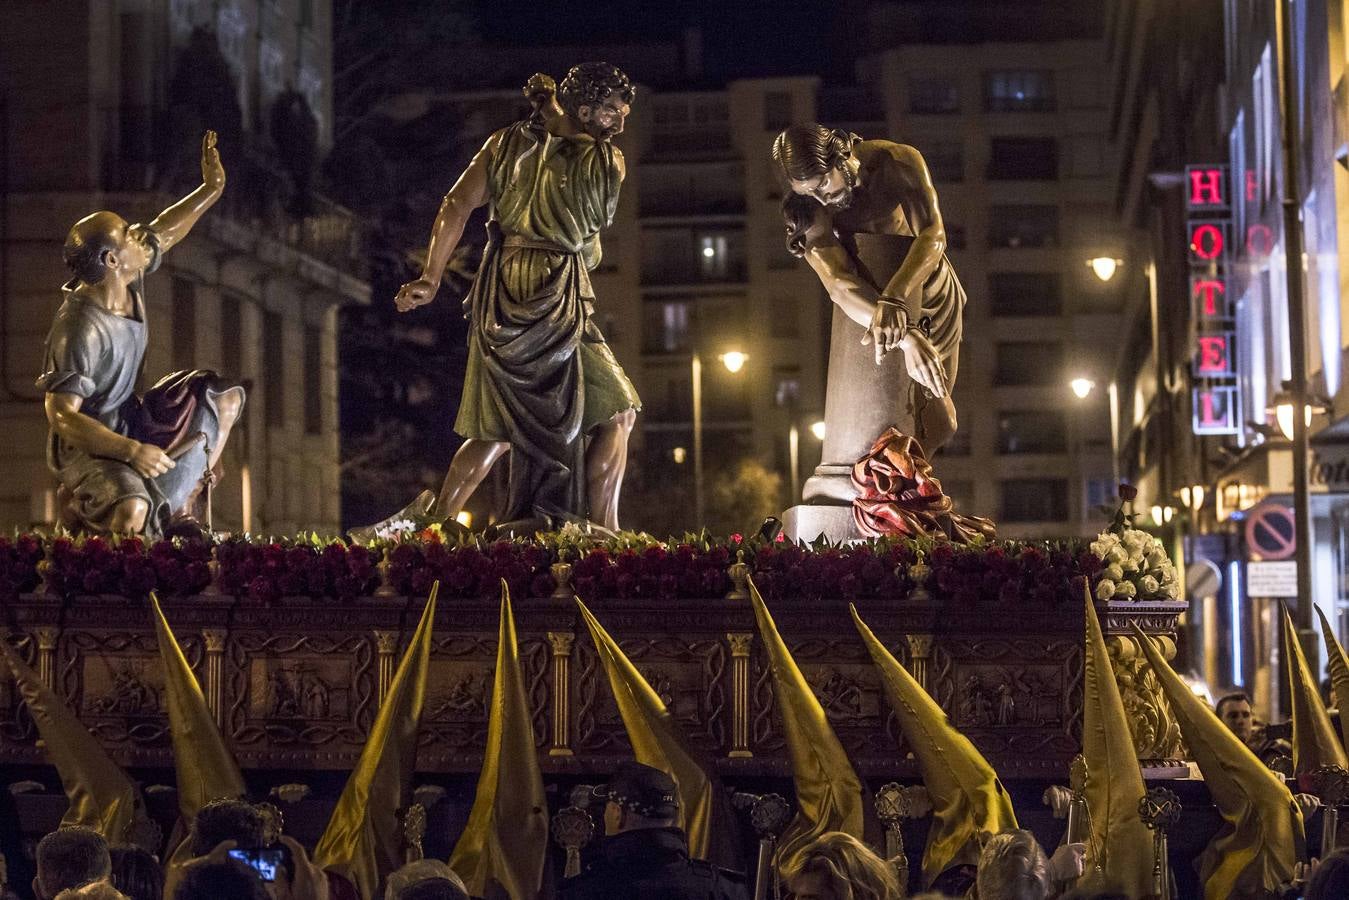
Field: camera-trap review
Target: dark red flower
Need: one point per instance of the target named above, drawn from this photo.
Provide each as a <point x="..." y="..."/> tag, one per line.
<point x="1127" y="492"/>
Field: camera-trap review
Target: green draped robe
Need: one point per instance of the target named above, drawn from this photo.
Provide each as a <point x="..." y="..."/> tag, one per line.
<point x="540" y="374"/>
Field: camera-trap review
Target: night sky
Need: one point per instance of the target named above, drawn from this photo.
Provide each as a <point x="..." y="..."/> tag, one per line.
<point x="782" y="37"/>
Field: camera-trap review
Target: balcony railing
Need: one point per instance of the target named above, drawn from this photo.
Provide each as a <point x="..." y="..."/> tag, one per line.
<point x="670" y="272"/>
<point x="257" y="194"/>
<point x="695" y="142"/>
<point x="691" y="204"/>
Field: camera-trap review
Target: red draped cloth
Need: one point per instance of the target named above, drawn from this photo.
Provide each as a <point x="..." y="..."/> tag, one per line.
<point x="898" y="494"/>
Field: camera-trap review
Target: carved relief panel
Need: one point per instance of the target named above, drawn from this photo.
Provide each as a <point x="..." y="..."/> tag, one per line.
<point x="299" y="692"/>
<point x="115" y="683"/>
<point x="689" y="675"/>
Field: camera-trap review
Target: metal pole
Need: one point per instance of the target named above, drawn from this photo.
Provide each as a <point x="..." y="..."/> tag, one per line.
<point x="1113" y="392"/>
<point x="794" y="455"/>
<point x="1297" y="331"/>
<point x="700" y="519"/>
<point x="1162" y="394"/>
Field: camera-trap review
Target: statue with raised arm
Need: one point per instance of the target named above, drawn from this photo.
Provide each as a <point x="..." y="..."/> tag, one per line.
<point x="129" y="464"/>
<point x="864" y="215"/>
<point x="541" y="380"/>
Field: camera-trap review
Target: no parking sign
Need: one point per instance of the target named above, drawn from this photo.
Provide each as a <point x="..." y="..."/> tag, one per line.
<point x="1271" y="532"/>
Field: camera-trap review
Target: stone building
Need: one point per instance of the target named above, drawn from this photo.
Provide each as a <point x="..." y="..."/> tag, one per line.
<point x="103" y="104"/>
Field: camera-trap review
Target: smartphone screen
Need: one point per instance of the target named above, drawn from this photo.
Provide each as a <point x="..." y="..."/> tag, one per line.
<point x="265" y="861"/>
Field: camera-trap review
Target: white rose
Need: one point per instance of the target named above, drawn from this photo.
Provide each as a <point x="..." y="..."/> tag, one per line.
<point x="1156" y="559"/>
<point x="1148" y="584"/>
<point x="1171" y="589"/>
<point x="1131" y="567"/>
<point x="1105" y="589"/>
<point x="1126" y="589"/>
<point x="1114" y="572"/>
<point x="1135" y="540"/>
<point x="1117" y="554"/>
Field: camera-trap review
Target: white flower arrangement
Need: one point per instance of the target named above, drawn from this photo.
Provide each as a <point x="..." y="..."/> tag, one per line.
<point x="1136" y="567"/>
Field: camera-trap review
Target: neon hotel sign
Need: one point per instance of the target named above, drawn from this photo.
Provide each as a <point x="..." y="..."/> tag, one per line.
<point x="1208" y="225"/>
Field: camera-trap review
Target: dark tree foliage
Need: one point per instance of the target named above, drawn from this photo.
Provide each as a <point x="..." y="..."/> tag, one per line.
<point x="401" y="375"/>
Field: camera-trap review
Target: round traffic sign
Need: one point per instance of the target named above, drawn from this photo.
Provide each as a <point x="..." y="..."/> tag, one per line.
<point x="1202" y="579"/>
<point x="1271" y="532"/>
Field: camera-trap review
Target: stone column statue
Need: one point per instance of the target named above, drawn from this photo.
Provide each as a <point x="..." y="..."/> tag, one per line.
<point x="128" y="463"/>
<point x="541" y="380"/>
<point x="864" y="215"/>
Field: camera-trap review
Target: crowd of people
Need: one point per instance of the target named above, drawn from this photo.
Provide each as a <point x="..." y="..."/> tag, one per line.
<point x="643" y="855"/>
<point x="662" y="837"/>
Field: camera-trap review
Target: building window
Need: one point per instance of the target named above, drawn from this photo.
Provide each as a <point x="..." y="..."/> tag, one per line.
<point x="667" y="326"/>
<point x="1030" y="91"/>
<point x="1101" y="492"/>
<point x="677" y="256"/>
<point x="1032" y="431"/>
<point x="958" y="445"/>
<point x="314" y="380"/>
<point x="608" y="255"/>
<point x="184" y="324"/>
<point x="1028" y="363"/>
<point x="933" y="94"/>
<point x="708" y="111"/>
<point x="787" y="387"/>
<point x="777" y="110"/>
<point x="1025" y="294"/>
<point x="1018" y="158"/>
<point x="1023" y="226"/>
<point x="713" y="256"/>
<point x="945" y="161"/>
<point x="274" y="368"/>
<point x="961" y="492"/>
<point x="1034" y="500"/>
<point x="670" y="112"/>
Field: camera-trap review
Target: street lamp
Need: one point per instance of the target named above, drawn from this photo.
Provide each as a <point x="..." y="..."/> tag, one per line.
<point x="1104" y="267"/>
<point x="1282" y="406"/>
<point x="817" y="429"/>
<point x="1082" y="387"/>
<point x="734" y="361"/>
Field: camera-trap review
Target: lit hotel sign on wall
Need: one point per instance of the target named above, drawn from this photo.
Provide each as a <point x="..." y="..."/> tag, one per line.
<point x="1208" y="227"/>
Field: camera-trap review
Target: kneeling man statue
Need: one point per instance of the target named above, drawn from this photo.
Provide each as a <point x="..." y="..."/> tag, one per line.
<point x="129" y="464"/>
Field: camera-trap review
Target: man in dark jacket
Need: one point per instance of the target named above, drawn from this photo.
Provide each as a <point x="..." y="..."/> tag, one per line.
<point x="643" y="856"/>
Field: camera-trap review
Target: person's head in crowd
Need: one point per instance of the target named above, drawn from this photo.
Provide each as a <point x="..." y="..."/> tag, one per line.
<point x="136" y="873"/>
<point x="99" y="890"/>
<point x="1013" y="867"/>
<point x="226" y="820"/>
<point x="837" y="866"/>
<point x="1235" y="711"/>
<point x="434" y="889"/>
<point x="1331" y="878"/>
<point x="223" y="879"/>
<point x="638" y="797"/>
<point x="415" y="872"/>
<point x="70" y="858"/>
